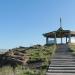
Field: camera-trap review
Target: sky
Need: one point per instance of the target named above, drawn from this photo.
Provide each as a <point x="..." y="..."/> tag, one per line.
<point x="22" y="22"/>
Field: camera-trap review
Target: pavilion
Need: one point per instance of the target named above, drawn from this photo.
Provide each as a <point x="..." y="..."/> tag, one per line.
<point x="60" y="33"/>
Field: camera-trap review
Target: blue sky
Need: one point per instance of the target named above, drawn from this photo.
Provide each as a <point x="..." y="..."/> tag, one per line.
<point x="22" y="22"/>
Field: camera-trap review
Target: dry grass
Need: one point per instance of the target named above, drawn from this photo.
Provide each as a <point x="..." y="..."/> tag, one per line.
<point x="43" y="53"/>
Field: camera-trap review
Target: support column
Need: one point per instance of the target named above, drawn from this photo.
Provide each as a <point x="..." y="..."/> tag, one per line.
<point x="61" y="36"/>
<point x="55" y="38"/>
<point x="69" y="38"/>
<point x="66" y="40"/>
<point x="46" y="40"/>
<point x="61" y="40"/>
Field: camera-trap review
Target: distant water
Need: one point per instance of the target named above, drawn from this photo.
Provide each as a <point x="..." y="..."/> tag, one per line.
<point x="3" y="50"/>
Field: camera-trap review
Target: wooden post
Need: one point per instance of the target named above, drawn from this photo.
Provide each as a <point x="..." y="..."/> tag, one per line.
<point x="55" y="39"/>
<point x="46" y="40"/>
<point x="66" y="40"/>
<point x="69" y="38"/>
<point x="61" y="39"/>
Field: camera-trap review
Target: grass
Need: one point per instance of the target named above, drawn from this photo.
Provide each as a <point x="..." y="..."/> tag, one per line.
<point x="41" y="54"/>
<point x="7" y="70"/>
<point x="72" y="48"/>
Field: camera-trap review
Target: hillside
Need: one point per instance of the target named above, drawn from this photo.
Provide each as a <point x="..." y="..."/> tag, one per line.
<point x="31" y="60"/>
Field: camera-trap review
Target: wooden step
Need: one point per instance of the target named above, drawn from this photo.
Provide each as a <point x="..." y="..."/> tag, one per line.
<point x="61" y="68"/>
<point x="63" y="63"/>
<point x="68" y="65"/>
<point x="61" y="71"/>
<point x="63" y="59"/>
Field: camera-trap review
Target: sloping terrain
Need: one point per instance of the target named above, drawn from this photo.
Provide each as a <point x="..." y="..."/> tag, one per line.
<point x="35" y="59"/>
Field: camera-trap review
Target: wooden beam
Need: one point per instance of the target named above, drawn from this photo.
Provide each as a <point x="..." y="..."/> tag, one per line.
<point x="61" y="40"/>
<point x="66" y="40"/>
<point x="55" y="39"/>
<point x="46" y="40"/>
<point x="69" y="38"/>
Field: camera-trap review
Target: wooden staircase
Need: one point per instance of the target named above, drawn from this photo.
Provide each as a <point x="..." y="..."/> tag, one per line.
<point x="63" y="63"/>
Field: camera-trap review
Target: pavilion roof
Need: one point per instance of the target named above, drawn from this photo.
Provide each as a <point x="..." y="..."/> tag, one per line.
<point x="59" y="33"/>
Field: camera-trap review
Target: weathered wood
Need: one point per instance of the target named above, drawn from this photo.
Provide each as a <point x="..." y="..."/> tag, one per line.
<point x="63" y="63"/>
<point x="46" y="40"/>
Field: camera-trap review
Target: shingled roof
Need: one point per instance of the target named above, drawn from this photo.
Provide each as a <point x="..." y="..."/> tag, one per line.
<point x="59" y="33"/>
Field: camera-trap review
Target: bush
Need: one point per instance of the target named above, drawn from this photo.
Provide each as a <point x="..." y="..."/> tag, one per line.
<point x="44" y="66"/>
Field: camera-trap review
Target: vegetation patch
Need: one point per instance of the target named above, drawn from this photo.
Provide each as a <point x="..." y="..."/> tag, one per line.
<point x="72" y="48"/>
<point x="29" y="60"/>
